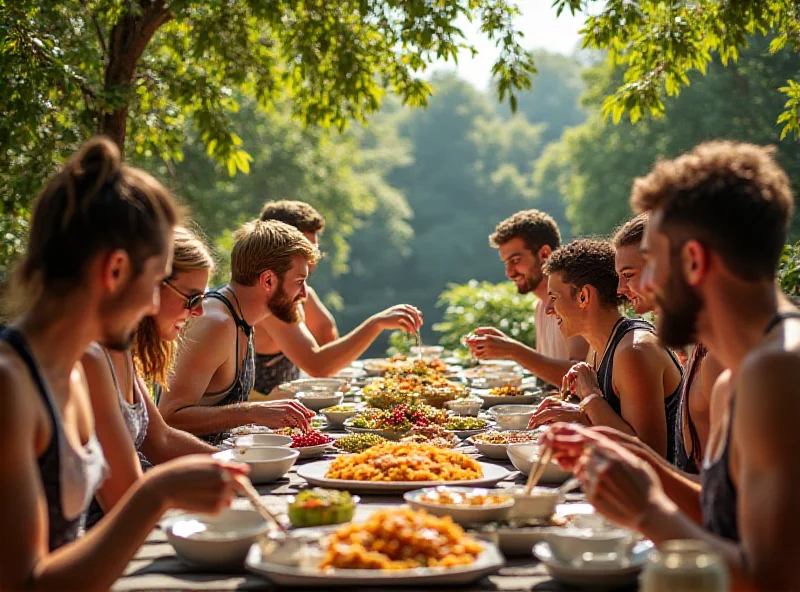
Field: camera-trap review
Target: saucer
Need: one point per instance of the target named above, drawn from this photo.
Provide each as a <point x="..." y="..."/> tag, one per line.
<point x="603" y="574"/>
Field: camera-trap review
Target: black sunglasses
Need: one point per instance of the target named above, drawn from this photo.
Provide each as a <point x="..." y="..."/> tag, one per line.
<point x="192" y="301"/>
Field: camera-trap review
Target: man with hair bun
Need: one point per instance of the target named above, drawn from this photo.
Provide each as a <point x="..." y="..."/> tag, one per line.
<point x="633" y="383"/>
<point x="525" y="241"/>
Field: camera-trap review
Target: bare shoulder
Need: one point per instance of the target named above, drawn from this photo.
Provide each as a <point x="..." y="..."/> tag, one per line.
<point x="770" y="376"/>
<point x="18" y="405"/>
<point x="638" y="348"/>
<point x="216" y="323"/>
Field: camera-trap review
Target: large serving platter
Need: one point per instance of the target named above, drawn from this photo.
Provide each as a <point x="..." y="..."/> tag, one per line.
<point x="283" y="574"/>
<point x="314" y="474"/>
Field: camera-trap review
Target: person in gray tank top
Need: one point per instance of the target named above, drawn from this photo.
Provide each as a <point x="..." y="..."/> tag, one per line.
<point x="97" y="248"/>
<point x="718" y="222"/>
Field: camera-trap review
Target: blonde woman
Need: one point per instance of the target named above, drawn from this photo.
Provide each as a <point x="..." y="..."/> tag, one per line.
<point x="130" y="428"/>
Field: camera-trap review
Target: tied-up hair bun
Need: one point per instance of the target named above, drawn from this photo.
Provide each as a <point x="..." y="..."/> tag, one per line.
<point x="97" y="166"/>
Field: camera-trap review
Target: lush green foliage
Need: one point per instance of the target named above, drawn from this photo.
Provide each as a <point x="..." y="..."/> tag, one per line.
<point x="591" y="169"/>
<point x="150" y="70"/>
<point x="789" y="270"/>
<point x="659" y="43"/>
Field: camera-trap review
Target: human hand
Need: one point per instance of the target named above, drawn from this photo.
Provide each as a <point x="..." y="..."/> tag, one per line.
<point x="196" y="483"/>
<point x="621" y="487"/>
<point x="554" y="410"/>
<point x="491" y="344"/>
<point x="403" y="317"/>
<point x="283" y="413"/>
<point x="581" y="380"/>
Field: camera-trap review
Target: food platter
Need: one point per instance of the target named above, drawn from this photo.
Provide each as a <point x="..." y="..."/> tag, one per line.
<point x="532" y="395"/>
<point x="314" y="474"/>
<point x="284" y="573"/>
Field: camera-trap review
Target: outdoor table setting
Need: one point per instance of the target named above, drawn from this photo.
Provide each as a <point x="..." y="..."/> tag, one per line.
<point x="502" y="533"/>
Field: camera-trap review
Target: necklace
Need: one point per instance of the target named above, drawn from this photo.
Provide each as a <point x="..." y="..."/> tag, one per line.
<point x="608" y="342"/>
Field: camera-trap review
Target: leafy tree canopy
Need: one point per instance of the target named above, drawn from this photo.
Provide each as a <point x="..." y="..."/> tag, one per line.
<point x="659" y="43"/>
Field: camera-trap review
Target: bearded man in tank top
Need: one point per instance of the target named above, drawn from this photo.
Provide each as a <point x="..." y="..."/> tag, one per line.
<point x="214" y="370"/>
<point x="634" y="381"/>
<point x="718" y="221"/>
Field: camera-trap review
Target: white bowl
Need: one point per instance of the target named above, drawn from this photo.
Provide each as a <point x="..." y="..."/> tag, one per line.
<point x="336" y="419"/>
<point x="577" y="546"/>
<point x="513" y="417"/>
<point x="499" y="365"/>
<point x="539" y="505"/>
<point x="251" y="440"/>
<point x="493" y="451"/>
<point x="314" y="451"/>
<point x="522" y="456"/>
<point x="267" y="463"/>
<point x="324" y="385"/>
<point x="462" y="407"/>
<point x="318" y="400"/>
<point x="461" y="514"/>
<point x="492" y="380"/>
<point x="215" y="541"/>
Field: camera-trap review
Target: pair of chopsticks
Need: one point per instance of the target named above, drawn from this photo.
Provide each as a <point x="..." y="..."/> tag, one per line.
<point x="538" y="468"/>
<point x="247" y="488"/>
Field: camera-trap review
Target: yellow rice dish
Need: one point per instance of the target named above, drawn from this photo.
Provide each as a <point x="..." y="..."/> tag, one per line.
<point x="402" y="461"/>
<point x="401" y="539"/>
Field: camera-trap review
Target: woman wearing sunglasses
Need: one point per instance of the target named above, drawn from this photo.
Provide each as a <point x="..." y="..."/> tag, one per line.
<point x="130" y="429"/>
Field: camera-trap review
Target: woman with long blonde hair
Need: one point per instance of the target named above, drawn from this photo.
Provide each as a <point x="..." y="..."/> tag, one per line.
<point x="130" y="428"/>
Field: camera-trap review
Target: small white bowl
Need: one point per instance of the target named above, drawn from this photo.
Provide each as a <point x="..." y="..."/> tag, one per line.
<point x="539" y="505"/>
<point x="512" y="417"/>
<point x="492" y="380"/>
<point x="522" y="456"/>
<point x="313" y="451"/>
<point x="461" y="514"/>
<point x="267" y="463"/>
<point x="336" y="419"/>
<point x="318" y="400"/>
<point x="465" y="407"/>
<point x="499" y="365"/>
<point x="215" y="541"/>
<point x="251" y="440"/>
<point x="578" y="546"/>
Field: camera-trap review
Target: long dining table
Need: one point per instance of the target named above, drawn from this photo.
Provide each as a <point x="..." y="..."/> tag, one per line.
<point x="156" y="567"/>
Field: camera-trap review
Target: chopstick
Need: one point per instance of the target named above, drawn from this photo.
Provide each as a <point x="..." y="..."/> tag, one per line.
<point x="538" y="469"/>
<point x="419" y="344"/>
<point x="250" y="491"/>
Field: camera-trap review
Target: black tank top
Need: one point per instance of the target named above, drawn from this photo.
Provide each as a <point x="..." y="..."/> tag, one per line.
<point x="605" y="375"/>
<point x="61" y="529"/>
<point x="718" y="497"/>
<point x="685" y="460"/>
<point x="272" y="370"/>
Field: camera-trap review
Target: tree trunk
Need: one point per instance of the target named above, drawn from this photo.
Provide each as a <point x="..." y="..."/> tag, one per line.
<point x="127" y="42"/>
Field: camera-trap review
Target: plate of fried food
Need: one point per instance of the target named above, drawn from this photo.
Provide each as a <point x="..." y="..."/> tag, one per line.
<point x="376" y="553"/>
<point x="494" y="444"/>
<point x="509" y="395"/>
<point x="397" y="467"/>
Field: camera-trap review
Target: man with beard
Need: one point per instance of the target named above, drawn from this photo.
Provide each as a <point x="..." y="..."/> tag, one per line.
<point x="718" y="220"/>
<point x="701" y="372"/>
<point x="634" y="383"/>
<point x="525" y="241"/>
<point x="308" y="340"/>
<point x="214" y="371"/>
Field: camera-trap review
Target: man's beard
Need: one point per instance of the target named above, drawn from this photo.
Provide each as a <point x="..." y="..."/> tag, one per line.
<point x="118" y="343"/>
<point x="117" y="339"/>
<point x="283" y="307"/>
<point x="680" y="309"/>
<point x="531" y="283"/>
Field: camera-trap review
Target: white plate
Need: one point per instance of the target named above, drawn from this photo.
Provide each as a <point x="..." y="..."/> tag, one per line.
<point x="314" y="451"/>
<point x="314" y="473"/>
<point x="464" y="434"/>
<point x="533" y="396"/>
<point x="308" y="384"/>
<point x="603" y="576"/>
<point x="461" y="514"/>
<point x="487" y="563"/>
<point x="519" y="540"/>
<point x="493" y="451"/>
<point x="390" y="435"/>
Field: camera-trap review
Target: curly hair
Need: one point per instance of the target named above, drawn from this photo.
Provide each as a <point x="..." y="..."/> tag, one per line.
<point x="631" y="232"/>
<point x="535" y="228"/>
<point x="587" y="262"/>
<point x="268" y="245"/>
<point x="153" y="356"/>
<point x="734" y="197"/>
<point x="294" y="213"/>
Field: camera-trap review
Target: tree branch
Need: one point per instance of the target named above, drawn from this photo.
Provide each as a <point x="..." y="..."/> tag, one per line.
<point x="100" y="38"/>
